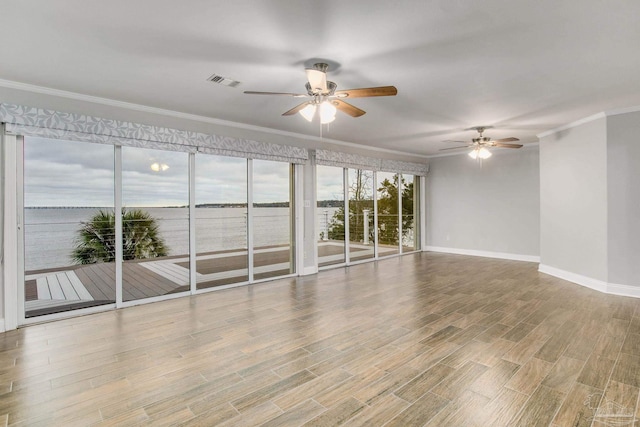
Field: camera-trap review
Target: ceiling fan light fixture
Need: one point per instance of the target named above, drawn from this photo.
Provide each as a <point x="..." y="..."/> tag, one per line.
<point x="308" y="112"/>
<point x="480" y="153"/>
<point x="327" y="112"/>
<point x="483" y="153"/>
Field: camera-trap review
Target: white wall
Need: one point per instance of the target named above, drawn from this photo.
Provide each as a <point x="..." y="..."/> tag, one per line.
<point x="623" y="189"/>
<point x="573" y="200"/>
<point x="490" y="209"/>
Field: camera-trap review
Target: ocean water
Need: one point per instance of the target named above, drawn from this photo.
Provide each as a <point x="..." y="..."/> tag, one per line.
<point x="50" y="234"/>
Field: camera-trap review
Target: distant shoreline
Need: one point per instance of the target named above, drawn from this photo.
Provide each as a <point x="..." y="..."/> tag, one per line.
<point x="321" y="203"/>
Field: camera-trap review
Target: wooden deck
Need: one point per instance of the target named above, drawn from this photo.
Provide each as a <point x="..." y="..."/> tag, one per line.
<point x="422" y="340"/>
<point x="89" y="285"/>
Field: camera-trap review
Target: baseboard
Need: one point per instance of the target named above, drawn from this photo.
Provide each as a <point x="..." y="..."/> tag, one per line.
<point x="579" y="279"/>
<point x="486" y="254"/>
<point x="306" y="271"/>
<point x="591" y="283"/>
<point x="624" y="290"/>
<point x="2" y="328"/>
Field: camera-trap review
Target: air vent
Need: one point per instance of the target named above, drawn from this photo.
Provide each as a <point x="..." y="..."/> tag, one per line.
<point x="223" y="81"/>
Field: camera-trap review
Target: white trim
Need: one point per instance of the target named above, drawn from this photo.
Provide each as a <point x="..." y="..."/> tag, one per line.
<point x="117" y="217"/>
<point x="573" y="124"/>
<point x="170" y="113"/>
<point x="624" y="290"/>
<point x="68" y="314"/>
<point x="619" y="111"/>
<point x="588" y="282"/>
<point x="600" y="115"/>
<point x="192" y="223"/>
<point x="298" y="217"/>
<point x="399" y="190"/>
<point x="579" y="279"/>
<point x="346" y="221"/>
<point x="2" y="328"/>
<point x="250" y="219"/>
<point x="376" y="245"/>
<point x="11" y="232"/>
<point x="310" y="270"/>
<point x="422" y="213"/>
<point x="19" y="208"/>
<point x="486" y="254"/>
<point x="158" y="298"/>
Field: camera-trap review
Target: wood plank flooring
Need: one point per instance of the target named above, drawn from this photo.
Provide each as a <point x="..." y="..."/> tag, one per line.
<point x="425" y="339"/>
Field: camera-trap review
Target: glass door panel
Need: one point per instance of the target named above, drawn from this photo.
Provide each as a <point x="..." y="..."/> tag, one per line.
<point x="221" y="221"/>
<point x="69" y="255"/>
<point x="410" y="203"/>
<point x="155" y="223"/>
<point x="272" y="219"/>
<point x="388" y="239"/>
<point x="330" y="215"/>
<point x="361" y="230"/>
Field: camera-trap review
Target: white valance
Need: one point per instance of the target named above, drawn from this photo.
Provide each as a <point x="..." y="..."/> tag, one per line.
<point x="356" y="161"/>
<point x="33" y="121"/>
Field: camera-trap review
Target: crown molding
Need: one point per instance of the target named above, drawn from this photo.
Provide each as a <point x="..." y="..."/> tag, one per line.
<point x="573" y="124"/>
<point x="9" y="84"/>
<point x="601" y="115"/>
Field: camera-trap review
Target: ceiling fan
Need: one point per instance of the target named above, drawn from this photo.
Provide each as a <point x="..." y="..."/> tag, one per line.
<point x="479" y="145"/>
<point x="325" y="99"/>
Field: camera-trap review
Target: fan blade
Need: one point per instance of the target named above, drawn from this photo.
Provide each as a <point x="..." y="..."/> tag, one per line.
<point x="451" y="140"/>
<point x="499" y="144"/>
<point x="295" y="109"/>
<point x="295" y="95"/>
<point x="455" y="148"/>
<point x="345" y="107"/>
<point x="317" y="80"/>
<point x="366" y="92"/>
<point x="512" y="139"/>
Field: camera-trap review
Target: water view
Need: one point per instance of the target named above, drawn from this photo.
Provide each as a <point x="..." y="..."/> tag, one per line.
<point x="51" y="233"/>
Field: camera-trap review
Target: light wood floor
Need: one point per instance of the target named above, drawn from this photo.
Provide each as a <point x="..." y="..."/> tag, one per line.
<point x="425" y="339"/>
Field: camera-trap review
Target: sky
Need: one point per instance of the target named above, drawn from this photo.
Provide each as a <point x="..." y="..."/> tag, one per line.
<point x="68" y="173"/>
<point x="61" y="173"/>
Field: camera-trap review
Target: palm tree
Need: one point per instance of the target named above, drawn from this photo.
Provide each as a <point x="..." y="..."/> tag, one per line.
<point x="140" y="238"/>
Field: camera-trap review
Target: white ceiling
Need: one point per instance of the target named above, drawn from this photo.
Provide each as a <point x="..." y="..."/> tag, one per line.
<point x="522" y="66"/>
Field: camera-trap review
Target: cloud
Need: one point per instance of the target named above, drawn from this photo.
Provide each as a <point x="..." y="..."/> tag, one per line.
<point x="69" y="173"/>
<point x="329" y="183"/>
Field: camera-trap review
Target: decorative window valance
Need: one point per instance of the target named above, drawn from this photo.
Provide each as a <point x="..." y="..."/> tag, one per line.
<point x="356" y="161"/>
<point x="33" y="121"/>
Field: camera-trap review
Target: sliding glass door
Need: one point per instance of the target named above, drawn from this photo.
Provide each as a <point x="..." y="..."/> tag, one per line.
<point x="382" y="210"/>
<point x="410" y="216"/>
<point x="388" y="207"/>
<point x="272" y="216"/>
<point x="68" y="237"/>
<point x="361" y="214"/>
<point x="155" y="223"/>
<point x="330" y="215"/>
<point x="221" y="221"/>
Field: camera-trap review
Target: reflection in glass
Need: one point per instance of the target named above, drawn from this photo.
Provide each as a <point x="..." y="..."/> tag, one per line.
<point x="221" y="221"/>
<point x="272" y="219"/>
<point x="388" y="240"/>
<point x="361" y="230"/>
<point x="155" y="223"/>
<point x="330" y="215"/>
<point x="68" y="225"/>
<point x="409" y="218"/>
